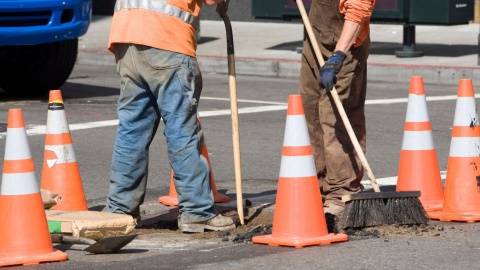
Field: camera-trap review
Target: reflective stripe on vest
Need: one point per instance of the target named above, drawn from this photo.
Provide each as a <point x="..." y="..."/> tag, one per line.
<point x="158" y="6"/>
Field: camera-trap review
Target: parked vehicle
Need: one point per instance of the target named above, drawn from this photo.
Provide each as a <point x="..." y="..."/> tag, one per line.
<point x="39" y="43"/>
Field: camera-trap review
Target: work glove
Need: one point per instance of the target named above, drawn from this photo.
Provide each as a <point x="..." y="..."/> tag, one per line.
<point x="330" y="69"/>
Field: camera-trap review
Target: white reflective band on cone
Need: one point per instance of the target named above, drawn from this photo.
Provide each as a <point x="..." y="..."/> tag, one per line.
<point x="296" y="131"/>
<point x="465" y="147"/>
<point x="417" y="110"/>
<point x="297" y="166"/>
<point x="418" y="140"/>
<point x="56" y="122"/>
<point x="65" y="153"/>
<point x="19" y="184"/>
<point x="465" y="112"/>
<point x="20" y="149"/>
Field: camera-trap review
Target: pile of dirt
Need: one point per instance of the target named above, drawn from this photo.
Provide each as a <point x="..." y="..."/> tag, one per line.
<point x="260" y="223"/>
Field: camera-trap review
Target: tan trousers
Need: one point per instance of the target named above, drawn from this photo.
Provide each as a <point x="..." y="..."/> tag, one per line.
<point x="338" y="167"/>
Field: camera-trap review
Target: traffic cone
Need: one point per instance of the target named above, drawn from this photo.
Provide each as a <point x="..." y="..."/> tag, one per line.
<point x="172" y="198"/>
<point x="24" y="234"/>
<point x="418" y="168"/>
<point x="60" y="171"/>
<point x="298" y="219"/>
<point x="462" y="186"/>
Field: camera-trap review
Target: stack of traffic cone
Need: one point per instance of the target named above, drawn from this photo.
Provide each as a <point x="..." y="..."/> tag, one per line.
<point x="462" y="186"/>
<point x="172" y="198"/>
<point x="24" y="234"/>
<point x="298" y="219"/>
<point x="418" y="168"/>
<point x="60" y="172"/>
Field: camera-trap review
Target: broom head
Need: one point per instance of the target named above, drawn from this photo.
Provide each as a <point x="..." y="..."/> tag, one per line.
<point x="382" y="208"/>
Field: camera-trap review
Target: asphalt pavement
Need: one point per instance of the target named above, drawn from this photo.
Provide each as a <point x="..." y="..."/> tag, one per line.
<point x="264" y="49"/>
<point x="273" y="50"/>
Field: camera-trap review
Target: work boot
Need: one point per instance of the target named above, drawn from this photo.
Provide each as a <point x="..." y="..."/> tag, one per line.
<point x="333" y="217"/>
<point x="138" y="222"/>
<point x="217" y="223"/>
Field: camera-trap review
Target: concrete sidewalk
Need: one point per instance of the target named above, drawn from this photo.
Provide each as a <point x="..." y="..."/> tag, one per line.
<point x="271" y="49"/>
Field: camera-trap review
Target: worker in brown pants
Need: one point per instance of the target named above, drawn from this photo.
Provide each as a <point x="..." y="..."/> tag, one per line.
<point x="342" y="29"/>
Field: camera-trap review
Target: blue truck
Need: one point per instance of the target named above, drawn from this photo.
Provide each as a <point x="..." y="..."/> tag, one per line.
<point x="39" y="43"/>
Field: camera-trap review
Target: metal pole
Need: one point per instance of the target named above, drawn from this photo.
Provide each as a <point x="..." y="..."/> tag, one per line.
<point x="477" y="20"/>
<point x="408" y="43"/>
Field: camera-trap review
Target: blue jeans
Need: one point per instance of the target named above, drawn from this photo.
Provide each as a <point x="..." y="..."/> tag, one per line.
<point x="158" y="84"/>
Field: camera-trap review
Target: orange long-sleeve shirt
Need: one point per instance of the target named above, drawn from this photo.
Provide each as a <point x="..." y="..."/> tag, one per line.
<point x="358" y="11"/>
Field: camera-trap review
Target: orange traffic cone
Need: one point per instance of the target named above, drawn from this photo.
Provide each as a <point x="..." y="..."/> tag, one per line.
<point x="298" y="219"/>
<point x="60" y="172"/>
<point x="418" y="168"/>
<point x="462" y="186"/>
<point x="24" y="234"/>
<point x="172" y="198"/>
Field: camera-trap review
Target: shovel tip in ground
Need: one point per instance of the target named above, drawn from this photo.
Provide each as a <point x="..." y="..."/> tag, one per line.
<point x="110" y="244"/>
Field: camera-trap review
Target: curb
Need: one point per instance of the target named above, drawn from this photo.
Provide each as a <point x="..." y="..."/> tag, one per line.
<point x="285" y="68"/>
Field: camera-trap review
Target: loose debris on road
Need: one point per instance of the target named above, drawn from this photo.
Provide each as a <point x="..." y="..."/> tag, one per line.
<point x="258" y="221"/>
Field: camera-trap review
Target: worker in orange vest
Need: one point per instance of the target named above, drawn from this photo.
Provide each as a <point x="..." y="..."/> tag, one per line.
<point x="154" y="43"/>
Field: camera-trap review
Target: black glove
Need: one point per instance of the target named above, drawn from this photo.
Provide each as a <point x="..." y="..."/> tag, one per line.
<point x="331" y="67"/>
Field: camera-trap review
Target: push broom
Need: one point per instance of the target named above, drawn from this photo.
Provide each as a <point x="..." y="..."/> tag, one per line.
<point x="369" y="208"/>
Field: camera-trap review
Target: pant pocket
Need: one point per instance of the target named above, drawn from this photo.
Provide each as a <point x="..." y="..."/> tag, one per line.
<point x="160" y="59"/>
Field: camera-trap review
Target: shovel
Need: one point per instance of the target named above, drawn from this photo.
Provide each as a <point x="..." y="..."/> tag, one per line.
<point x="105" y="245"/>
<point x="232" y="82"/>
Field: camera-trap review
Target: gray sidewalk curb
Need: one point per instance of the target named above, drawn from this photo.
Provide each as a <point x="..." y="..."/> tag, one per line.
<point x="285" y="68"/>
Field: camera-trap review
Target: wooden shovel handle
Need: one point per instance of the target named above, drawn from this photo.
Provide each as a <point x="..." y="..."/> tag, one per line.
<point x="232" y="82"/>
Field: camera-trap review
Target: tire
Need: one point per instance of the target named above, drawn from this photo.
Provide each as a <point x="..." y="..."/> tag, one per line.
<point x="103" y="7"/>
<point x="36" y="69"/>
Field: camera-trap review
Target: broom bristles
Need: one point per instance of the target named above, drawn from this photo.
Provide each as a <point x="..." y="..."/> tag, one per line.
<point x="407" y="211"/>
<point x="359" y="213"/>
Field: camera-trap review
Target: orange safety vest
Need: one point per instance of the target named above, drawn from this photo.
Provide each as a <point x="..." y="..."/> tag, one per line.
<point x="162" y="24"/>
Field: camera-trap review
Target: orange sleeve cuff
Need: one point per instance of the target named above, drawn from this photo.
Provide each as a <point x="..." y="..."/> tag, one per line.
<point x="357" y="11"/>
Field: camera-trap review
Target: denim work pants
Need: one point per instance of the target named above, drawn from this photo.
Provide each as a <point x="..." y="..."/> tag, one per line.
<point x="158" y="84"/>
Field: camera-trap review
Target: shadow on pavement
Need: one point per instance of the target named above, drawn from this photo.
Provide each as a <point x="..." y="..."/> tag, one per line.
<point x="69" y="91"/>
<point x="389" y="48"/>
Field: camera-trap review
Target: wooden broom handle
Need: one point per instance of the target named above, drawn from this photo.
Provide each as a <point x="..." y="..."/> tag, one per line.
<point x="336" y="99"/>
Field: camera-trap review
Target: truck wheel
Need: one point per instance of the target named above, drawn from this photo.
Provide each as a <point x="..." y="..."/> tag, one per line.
<point x="37" y="69"/>
<point x="103" y="7"/>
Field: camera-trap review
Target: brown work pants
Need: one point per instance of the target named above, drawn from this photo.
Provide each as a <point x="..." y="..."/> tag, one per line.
<point x="339" y="169"/>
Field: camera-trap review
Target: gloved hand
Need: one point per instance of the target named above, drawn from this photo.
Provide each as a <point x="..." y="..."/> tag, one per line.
<point x="331" y="68"/>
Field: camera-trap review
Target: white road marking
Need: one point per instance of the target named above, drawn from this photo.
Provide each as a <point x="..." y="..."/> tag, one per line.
<point x="245" y="100"/>
<point x="271" y="106"/>
<point x="392" y="181"/>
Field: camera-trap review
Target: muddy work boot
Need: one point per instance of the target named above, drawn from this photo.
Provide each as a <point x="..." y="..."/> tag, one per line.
<point x="217" y="223"/>
<point x="333" y="217"/>
<point x="138" y="222"/>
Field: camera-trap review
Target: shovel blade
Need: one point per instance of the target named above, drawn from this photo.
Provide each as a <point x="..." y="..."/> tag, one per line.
<point x="110" y="244"/>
